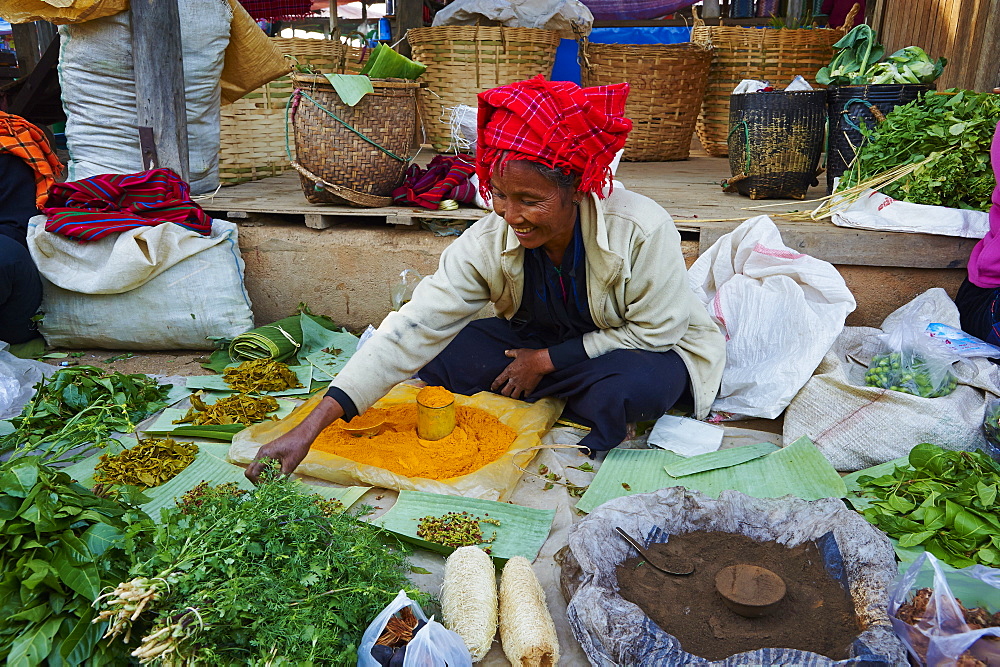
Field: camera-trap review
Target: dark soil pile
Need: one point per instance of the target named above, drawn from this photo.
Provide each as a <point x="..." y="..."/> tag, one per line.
<point x="816" y="615"/>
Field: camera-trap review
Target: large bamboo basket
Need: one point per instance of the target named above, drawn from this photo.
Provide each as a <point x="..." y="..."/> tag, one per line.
<point x="768" y="54"/>
<point x="354" y="155"/>
<point x="667" y="86"/>
<point x="252" y="129"/>
<point x="463" y="61"/>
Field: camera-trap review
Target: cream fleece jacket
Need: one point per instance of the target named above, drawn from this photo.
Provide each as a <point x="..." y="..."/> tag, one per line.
<point x="636" y="285"/>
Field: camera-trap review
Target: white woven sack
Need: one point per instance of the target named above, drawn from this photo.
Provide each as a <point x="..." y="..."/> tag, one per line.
<point x="780" y="311"/>
<point x="98" y="92"/>
<point x="857" y="426"/>
<point x="138" y="304"/>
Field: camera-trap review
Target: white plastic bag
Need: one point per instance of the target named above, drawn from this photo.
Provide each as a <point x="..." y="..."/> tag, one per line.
<point x="97" y="78"/>
<point x="133" y="304"/>
<point x="779" y="310"/>
<point x="942" y="636"/>
<point x="432" y="646"/>
<point x="875" y="210"/>
<point x="17" y="381"/>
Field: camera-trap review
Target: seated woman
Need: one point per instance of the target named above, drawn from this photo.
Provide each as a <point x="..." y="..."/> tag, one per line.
<point x="590" y="289"/>
<point x="978" y="298"/>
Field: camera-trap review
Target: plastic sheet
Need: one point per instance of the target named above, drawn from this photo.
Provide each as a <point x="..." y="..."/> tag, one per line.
<point x="17" y="381"/>
<point x="493" y="481"/>
<point x="943" y="635"/>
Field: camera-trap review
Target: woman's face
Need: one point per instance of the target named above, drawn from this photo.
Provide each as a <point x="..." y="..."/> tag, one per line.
<point x="540" y="213"/>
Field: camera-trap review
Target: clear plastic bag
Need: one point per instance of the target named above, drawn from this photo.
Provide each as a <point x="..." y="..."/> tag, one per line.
<point x="911" y="362"/>
<point x="402" y="291"/>
<point x="17" y="381"/>
<point x="432" y="646"/>
<point x="991" y="428"/>
<point x="942" y="635"/>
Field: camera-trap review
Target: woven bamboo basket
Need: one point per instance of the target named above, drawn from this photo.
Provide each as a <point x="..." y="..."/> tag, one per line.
<point x="252" y="129"/>
<point x="353" y="155"/>
<point x="463" y="61"/>
<point x="775" y="143"/>
<point x="667" y="86"/>
<point x="768" y="54"/>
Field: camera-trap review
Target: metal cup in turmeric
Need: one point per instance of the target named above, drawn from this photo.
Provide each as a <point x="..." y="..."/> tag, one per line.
<point x="435" y="413"/>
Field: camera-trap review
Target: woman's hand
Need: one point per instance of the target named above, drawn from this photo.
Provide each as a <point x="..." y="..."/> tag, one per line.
<point x="523" y="374"/>
<point x="290" y="448"/>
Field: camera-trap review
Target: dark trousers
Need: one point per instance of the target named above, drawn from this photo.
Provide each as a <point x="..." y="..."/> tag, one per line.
<point x="20" y="292"/>
<point x="604" y="393"/>
<point x="979" y="309"/>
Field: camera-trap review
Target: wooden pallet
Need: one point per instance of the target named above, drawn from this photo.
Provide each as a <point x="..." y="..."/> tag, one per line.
<point x="689" y="190"/>
<point x="282" y="196"/>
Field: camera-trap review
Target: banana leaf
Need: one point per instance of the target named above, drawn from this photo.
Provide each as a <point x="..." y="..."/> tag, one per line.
<point x="798" y="469"/>
<point x="216" y="383"/>
<point x="210" y="466"/>
<point x="724" y="458"/>
<point x="522" y="530"/>
<point x="164" y="424"/>
<point x="278" y="340"/>
<point x="351" y="88"/>
<point x="385" y="63"/>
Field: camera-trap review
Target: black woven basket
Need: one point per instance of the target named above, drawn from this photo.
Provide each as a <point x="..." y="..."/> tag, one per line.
<point x="851" y="107"/>
<point x="775" y="142"/>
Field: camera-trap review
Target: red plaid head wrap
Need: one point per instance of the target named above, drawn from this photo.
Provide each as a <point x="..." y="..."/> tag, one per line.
<point x="555" y="123"/>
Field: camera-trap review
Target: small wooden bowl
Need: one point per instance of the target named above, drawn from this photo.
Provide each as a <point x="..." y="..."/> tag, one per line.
<point x="749" y="590"/>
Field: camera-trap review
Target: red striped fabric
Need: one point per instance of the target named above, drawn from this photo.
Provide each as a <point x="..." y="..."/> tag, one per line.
<point x="556" y="123"/>
<point x="95" y="207"/>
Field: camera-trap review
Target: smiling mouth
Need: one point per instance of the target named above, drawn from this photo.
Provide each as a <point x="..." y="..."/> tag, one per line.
<point x="521" y="231"/>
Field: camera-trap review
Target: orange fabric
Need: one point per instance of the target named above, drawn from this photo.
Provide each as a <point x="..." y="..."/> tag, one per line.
<point x="21" y="138"/>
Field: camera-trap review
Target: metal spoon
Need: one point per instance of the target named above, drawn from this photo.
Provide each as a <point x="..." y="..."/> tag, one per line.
<point x="679" y="571"/>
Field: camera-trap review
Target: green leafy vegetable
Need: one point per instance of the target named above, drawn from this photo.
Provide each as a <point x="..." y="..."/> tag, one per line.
<point x="350" y="87"/>
<point x="857" y="51"/>
<point x="944" y="501"/>
<point x="857" y="63"/>
<point x="268" y="576"/>
<point x="81" y="406"/>
<point x="953" y="128"/>
<point x="59" y="546"/>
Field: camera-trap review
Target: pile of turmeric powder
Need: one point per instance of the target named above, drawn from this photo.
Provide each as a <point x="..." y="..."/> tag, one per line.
<point x="478" y="439"/>
<point x="435" y="397"/>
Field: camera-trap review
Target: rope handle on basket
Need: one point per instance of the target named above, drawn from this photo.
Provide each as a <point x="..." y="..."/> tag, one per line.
<point x="874" y="110"/>
<point x="298" y="93"/>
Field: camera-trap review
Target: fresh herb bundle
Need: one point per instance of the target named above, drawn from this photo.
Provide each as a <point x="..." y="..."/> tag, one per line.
<point x="944" y="501"/>
<point x="59" y="546"/>
<point x="268" y="576"/>
<point x="78" y="406"/>
<point x="953" y="128"/>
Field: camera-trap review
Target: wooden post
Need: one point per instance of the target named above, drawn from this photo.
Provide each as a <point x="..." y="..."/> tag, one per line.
<point x="988" y="72"/>
<point x="159" y="80"/>
<point x="409" y="14"/>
